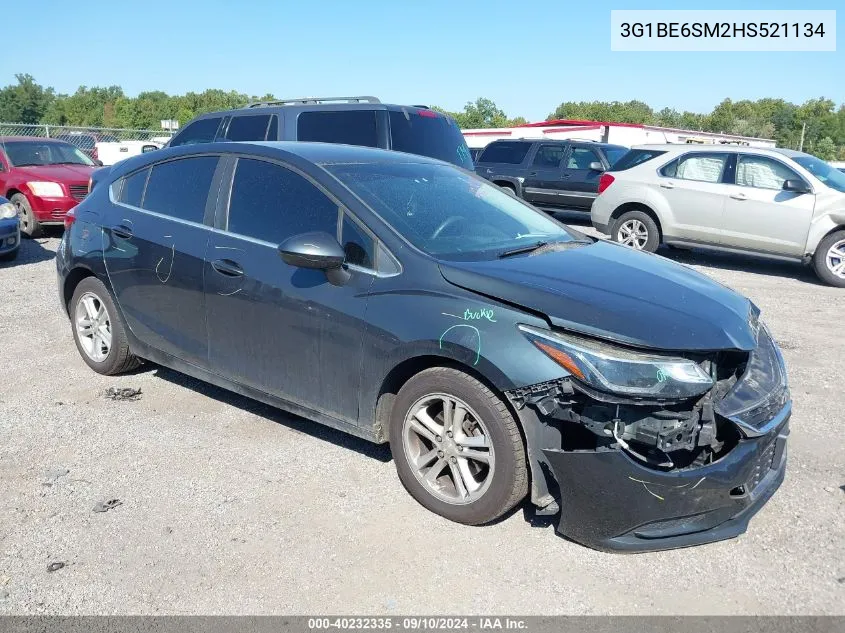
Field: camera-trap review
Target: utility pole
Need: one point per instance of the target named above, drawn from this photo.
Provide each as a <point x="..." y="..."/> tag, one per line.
<point x="801" y="142"/>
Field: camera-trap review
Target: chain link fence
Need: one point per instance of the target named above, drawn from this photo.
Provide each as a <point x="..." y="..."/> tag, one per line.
<point x="102" y="134"/>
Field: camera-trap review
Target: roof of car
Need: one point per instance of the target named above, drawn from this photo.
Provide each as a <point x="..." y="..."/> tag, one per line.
<point x="6" y="139"/>
<point x="337" y="153"/>
<point x="555" y="141"/>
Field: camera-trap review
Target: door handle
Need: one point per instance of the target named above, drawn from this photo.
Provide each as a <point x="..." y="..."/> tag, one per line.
<point x="739" y="196"/>
<point x="123" y="231"/>
<point x="227" y="267"/>
<point x="667" y="185"/>
<point x="566" y="176"/>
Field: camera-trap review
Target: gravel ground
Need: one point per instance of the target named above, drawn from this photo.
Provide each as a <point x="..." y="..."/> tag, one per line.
<point x="231" y="507"/>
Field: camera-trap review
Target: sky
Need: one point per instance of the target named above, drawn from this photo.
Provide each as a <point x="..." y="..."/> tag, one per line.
<point x="526" y="55"/>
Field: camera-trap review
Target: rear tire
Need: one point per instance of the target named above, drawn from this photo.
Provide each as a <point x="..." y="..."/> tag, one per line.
<point x="829" y="259"/>
<point x="479" y="452"/>
<point x="98" y="329"/>
<point x="30" y="226"/>
<point x="638" y="230"/>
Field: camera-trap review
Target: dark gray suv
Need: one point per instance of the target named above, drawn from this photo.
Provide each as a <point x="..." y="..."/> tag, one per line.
<point x="363" y="121"/>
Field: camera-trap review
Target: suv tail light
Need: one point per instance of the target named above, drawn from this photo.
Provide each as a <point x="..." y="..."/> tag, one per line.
<point x="70" y="218"/>
<point x="605" y="181"/>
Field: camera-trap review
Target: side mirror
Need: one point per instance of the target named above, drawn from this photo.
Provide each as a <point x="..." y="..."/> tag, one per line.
<point x="316" y="250"/>
<point x="596" y="166"/>
<point x="796" y="186"/>
<point x="98" y="162"/>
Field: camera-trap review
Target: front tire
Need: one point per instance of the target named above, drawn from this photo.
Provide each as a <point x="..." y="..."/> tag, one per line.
<point x="829" y="259"/>
<point x="638" y="230"/>
<point x="457" y="448"/>
<point x="30" y="226"/>
<point x="98" y="329"/>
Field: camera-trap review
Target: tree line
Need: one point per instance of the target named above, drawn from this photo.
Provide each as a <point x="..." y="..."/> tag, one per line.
<point x="821" y="120"/>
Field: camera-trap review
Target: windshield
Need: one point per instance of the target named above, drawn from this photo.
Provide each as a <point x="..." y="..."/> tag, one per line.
<point x="614" y="154"/>
<point x="447" y="212"/>
<point x="828" y="174"/>
<point x="428" y="133"/>
<point x="23" y="153"/>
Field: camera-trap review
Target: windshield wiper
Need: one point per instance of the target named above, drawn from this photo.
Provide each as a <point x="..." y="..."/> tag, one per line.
<point x="522" y="249"/>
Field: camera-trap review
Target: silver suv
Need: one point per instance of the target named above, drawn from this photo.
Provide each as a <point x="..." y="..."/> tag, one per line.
<point x="774" y="202"/>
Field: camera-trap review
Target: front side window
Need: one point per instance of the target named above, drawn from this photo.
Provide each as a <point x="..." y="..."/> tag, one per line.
<point x="132" y="191"/>
<point x="699" y="167"/>
<point x="447" y="212"/>
<point x="272" y="203"/>
<point x="348" y="127"/>
<point x="581" y="157"/>
<point x="180" y="188"/>
<point x="762" y="172"/>
<point x="549" y="156"/>
<point x="357" y="243"/>
<point x="36" y="153"/>
<point x="202" y="131"/>
<point x="248" y="128"/>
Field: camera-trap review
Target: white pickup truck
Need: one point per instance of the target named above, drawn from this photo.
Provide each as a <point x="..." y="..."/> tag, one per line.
<point x="111" y="153"/>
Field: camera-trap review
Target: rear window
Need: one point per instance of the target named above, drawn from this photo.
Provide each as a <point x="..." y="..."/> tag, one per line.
<point x="348" y="127"/>
<point x="505" y="152"/>
<point x="427" y="133"/>
<point x="248" y="128"/>
<point x="633" y="157"/>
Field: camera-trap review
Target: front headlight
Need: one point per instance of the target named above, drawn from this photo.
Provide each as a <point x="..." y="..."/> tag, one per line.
<point x="619" y="370"/>
<point x="46" y="189"/>
<point x="8" y="211"/>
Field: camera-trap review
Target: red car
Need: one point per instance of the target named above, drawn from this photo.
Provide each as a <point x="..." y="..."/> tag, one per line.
<point x="44" y="179"/>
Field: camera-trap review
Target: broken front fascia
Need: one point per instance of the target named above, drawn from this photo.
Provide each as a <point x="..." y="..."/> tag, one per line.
<point x="638" y="476"/>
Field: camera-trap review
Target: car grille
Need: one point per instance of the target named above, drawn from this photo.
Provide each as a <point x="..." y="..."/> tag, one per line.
<point x="78" y="191"/>
<point x="763" y="465"/>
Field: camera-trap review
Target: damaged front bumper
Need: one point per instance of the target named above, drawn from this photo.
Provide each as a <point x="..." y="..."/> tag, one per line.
<point x="611" y="502"/>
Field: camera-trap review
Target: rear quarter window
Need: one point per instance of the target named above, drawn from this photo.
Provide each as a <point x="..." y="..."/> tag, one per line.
<point x="511" y="153"/>
<point x="348" y="127"/>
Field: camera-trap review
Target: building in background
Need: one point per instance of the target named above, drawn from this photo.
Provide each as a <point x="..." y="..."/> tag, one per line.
<point x="606" y="132"/>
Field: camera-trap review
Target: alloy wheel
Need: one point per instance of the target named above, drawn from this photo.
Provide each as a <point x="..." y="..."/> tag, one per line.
<point x="23" y="217"/>
<point x="93" y="327"/>
<point x="835" y="259"/>
<point x="633" y="233"/>
<point x="448" y="448"/>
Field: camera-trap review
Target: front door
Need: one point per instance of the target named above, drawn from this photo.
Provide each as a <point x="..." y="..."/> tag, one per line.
<point x="580" y="182"/>
<point x="283" y="330"/>
<point x="760" y="215"/>
<point x="543" y="183"/>
<point x="154" y="249"/>
<point x="694" y="189"/>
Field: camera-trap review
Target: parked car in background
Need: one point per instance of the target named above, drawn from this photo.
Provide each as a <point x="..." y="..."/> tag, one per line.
<point x="111" y="153"/>
<point x="774" y="202"/>
<point x="44" y="178"/>
<point x="10" y="233"/>
<point x="363" y="121"/>
<point x="88" y="142"/>
<point x="549" y="174"/>
<point x="499" y="353"/>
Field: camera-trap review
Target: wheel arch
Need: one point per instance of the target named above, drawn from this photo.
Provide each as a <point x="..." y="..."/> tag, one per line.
<point x="71" y="281"/>
<point x="635" y="206"/>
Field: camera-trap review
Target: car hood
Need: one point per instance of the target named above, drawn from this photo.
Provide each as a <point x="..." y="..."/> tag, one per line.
<point x="613" y="292"/>
<point x="59" y="173"/>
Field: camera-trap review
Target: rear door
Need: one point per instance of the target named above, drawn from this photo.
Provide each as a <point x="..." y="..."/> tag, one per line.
<point x="760" y="215"/>
<point x="280" y="329"/>
<point x="543" y="183"/>
<point x="155" y="238"/>
<point x="580" y="183"/>
<point x="694" y="188"/>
